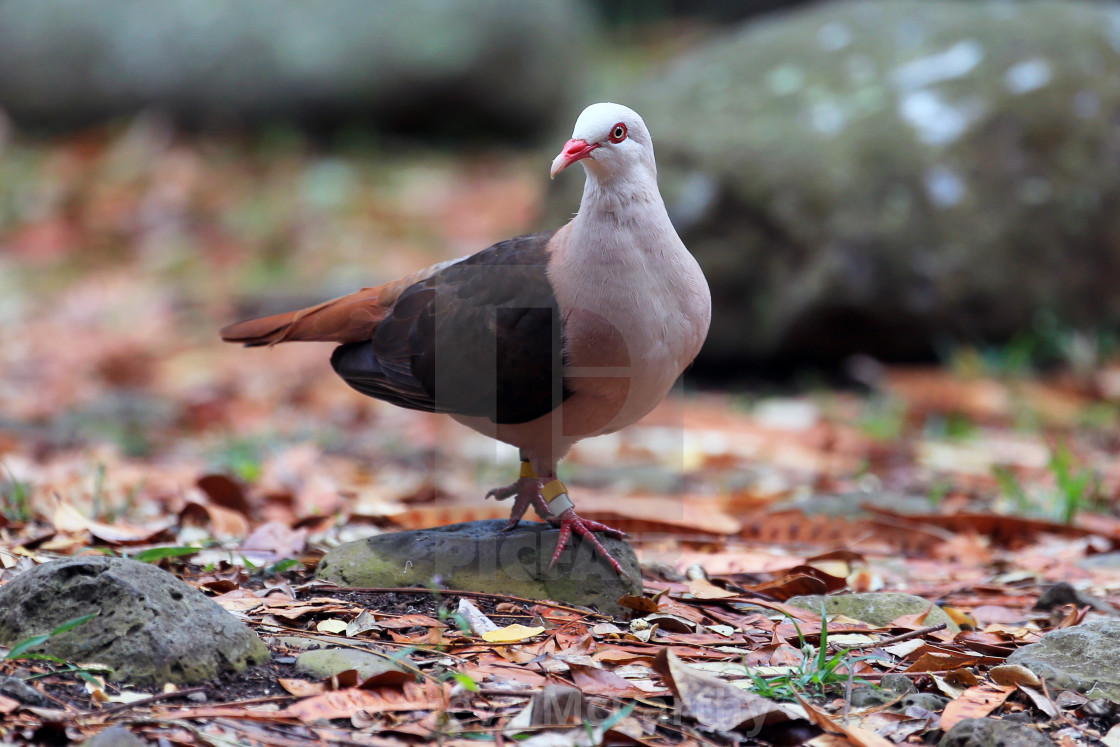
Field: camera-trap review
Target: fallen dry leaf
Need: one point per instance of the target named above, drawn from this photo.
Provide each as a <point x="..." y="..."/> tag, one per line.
<point x="511" y="634"/>
<point x="1041" y="700"/>
<point x="239" y="600"/>
<point x="802" y="580"/>
<point x="224" y="491"/>
<point x="1014" y="674"/>
<point x="331" y="625"/>
<point x="68" y="519"/>
<point x="8" y="705"/>
<point x="858" y="736"/>
<point x="1112" y="738"/>
<point x="402" y="622"/>
<point x="640" y="604"/>
<point x="594" y="681"/>
<point x="715" y="703"/>
<point x="223" y="522"/>
<point x="302" y="688"/>
<point x="272" y="541"/>
<point x="932" y="661"/>
<point x="344" y="703"/>
<point x="975" y="702"/>
<point x="701" y="588"/>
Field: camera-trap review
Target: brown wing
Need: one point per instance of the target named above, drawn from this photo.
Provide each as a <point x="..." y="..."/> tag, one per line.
<point x="480" y="337"/>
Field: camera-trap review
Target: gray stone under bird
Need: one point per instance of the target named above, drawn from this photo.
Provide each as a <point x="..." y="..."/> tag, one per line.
<point x="541" y="340"/>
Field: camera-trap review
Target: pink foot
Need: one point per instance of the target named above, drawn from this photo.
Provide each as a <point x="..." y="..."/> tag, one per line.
<point x="551" y="502"/>
<point x="570" y="522"/>
<point x="526" y="491"/>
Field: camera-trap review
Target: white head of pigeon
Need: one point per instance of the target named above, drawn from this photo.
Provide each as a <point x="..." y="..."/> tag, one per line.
<point x="614" y="145"/>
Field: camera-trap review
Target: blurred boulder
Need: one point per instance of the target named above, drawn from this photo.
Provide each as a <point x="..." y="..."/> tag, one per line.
<point x="492" y="67"/>
<point x="887" y="177"/>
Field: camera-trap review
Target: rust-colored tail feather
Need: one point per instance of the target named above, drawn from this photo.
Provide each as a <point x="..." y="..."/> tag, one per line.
<point x="347" y="319"/>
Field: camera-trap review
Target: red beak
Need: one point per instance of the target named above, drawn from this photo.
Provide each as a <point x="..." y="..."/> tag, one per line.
<point x="574" y="150"/>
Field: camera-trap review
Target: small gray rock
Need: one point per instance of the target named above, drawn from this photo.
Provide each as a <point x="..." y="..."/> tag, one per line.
<point x="151" y="627"/>
<point x="17" y="689"/>
<point x="328" y="662"/>
<point x="929" y="701"/>
<point x="870" y="697"/>
<point x="876" y="608"/>
<point x="898" y="687"/>
<point x="479" y="556"/>
<point x="896" y="683"/>
<point x="988" y="732"/>
<point x="1085" y="658"/>
<point x="115" y="736"/>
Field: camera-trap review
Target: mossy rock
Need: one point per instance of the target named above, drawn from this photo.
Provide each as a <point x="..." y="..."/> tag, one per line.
<point x="479" y="556"/>
<point x="327" y="662"/>
<point x="875" y="608"/>
<point x="151" y="628"/>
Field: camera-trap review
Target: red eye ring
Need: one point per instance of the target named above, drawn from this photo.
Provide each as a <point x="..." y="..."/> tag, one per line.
<point x="618" y="133"/>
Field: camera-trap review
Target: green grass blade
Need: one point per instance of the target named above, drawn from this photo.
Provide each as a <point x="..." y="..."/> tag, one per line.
<point x="71" y="624"/>
<point x="156" y="554"/>
<point x="18" y="650"/>
<point x="26" y="643"/>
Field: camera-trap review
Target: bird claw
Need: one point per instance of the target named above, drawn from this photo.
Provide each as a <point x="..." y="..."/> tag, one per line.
<point x="570" y="522"/>
<point x="525" y="491"/>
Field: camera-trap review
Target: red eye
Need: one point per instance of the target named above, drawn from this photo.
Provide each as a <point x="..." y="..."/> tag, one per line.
<point x="618" y="133"/>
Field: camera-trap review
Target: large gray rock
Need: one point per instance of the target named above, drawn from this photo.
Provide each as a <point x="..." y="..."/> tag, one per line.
<point x="881" y="177"/>
<point x="151" y="627"/>
<point x="486" y="66"/>
<point x="478" y="556"/>
<point x="1085" y="658"/>
<point x="877" y="608"/>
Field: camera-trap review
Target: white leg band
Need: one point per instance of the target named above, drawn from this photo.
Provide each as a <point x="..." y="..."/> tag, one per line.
<point x="560" y="504"/>
<point x="555" y="494"/>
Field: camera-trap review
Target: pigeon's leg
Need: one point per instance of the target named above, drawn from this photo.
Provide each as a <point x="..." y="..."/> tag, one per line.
<point x="562" y="513"/>
<point x="525" y="491"/>
<point x="549" y="497"/>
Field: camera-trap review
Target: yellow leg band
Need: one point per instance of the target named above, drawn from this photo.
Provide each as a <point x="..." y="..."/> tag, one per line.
<point x="527" y="469"/>
<point x="555" y="494"/>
